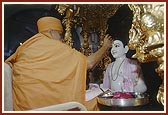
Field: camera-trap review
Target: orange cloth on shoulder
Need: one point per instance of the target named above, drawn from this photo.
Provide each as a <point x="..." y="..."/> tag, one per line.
<point x="47" y="72"/>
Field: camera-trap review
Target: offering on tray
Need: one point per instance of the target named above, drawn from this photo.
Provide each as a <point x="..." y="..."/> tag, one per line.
<point x="122" y="95"/>
<point x="107" y="94"/>
<point x="123" y="99"/>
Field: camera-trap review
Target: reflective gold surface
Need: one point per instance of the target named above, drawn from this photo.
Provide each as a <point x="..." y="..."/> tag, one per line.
<point x="147" y="37"/>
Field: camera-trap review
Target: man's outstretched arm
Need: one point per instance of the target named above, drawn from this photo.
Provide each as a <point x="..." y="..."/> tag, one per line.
<point x="94" y="58"/>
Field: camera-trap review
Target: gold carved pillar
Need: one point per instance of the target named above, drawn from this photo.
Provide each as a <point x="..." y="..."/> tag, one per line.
<point x="68" y="21"/>
<point x="85" y="48"/>
<point x="71" y="13"/>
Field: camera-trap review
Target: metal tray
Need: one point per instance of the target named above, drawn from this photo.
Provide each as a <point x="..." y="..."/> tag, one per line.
<point x="138" y="100"/>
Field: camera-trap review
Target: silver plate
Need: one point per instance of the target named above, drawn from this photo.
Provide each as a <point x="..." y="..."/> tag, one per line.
<point x="138" y="100"/>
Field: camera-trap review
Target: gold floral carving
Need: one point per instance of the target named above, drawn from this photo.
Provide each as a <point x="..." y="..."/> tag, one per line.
<point x="147" y="37"/>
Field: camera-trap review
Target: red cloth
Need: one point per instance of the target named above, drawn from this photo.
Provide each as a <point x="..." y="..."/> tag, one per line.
<point x="122" y="95"/>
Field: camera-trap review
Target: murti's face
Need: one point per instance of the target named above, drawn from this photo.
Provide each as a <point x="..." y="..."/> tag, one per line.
<point x="118" y="49"/>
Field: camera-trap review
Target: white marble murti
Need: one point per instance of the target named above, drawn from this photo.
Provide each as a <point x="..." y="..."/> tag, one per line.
<point x="124" y="74"/>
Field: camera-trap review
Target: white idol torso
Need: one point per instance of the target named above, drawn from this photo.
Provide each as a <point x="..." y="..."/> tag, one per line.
<point x="123" y="75"/>
<point x="116" y="76"/>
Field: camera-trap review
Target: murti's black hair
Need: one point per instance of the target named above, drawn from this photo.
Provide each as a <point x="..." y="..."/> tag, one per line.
<point x="124" y="39"/>
<point x="120" y="23"/>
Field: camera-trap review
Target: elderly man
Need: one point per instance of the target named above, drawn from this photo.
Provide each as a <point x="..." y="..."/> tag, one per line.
<point x="47" y="72"/>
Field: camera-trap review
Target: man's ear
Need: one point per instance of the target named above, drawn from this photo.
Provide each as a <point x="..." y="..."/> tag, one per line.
<point x="126" y="49"/>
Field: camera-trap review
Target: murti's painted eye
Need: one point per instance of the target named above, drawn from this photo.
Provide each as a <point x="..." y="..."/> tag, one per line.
<point x="117" y="45"/>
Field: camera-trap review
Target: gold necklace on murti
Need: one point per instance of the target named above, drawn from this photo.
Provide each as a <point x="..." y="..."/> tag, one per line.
<point x="114" y="79"/>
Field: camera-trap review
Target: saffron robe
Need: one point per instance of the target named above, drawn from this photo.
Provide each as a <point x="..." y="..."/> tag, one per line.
<point x="47" y="72"/>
